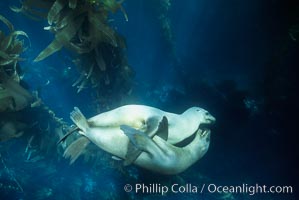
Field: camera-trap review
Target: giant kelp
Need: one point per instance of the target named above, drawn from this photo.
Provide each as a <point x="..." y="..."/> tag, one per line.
<point x="161" y="9"/>
<point x="77" y="25"/>
<point x="101" y="61"/>
<point x="12" y="96"/>
<point x="15" y="100"/>
<point x="83" y="27"/>
<point x="10" y="48"/>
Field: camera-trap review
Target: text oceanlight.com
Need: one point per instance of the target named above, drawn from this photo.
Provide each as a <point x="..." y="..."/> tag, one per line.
<point x="156" y="188"/>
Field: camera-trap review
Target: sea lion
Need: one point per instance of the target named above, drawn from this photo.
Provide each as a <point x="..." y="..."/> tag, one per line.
<point x="146" y="119"/>
<point x="157" y="154"/>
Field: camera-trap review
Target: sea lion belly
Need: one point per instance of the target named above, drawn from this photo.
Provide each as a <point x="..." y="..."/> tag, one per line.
<point x="132" y="115"/>
<point x="111" y="140"/>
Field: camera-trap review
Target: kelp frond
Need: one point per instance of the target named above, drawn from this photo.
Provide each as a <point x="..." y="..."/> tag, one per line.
<point x="10" y="45"/>
<point x="34" y="9"/>
<point x="7" y="23"/>
<point x="79" y="25"/>
<point x="12" y="96"/>
<point x="83" y="27"/>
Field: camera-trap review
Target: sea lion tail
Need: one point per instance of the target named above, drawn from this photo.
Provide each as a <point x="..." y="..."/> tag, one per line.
<point x="74" y="150"/>
<point x="78" y="118"/>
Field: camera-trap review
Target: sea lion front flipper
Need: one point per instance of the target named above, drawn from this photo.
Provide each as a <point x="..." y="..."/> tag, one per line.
<point x="132" y="154"/>
<point x="135" y="150"/>
<point x="132" y="151"/>
<point x="160" y="130"/>
<point x="137" y="138"/>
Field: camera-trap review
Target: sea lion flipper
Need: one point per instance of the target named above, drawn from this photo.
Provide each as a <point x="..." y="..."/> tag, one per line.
<point x="162" y="130"/>
<point x="79" y="119"/>
<point x="135" y="150"/>
<point x="137" y="138"/>
<point x="74" y="129"/>
<point x="75" y="149"/>
<point x="132" y="154"/>
<point x="116" y="158"/>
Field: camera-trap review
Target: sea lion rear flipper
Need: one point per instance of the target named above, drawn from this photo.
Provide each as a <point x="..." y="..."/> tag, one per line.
<point x="138" y="144"/>
<point x="79" y="119"/>
<point x="67" y="135"/>
<point x="74" y="150"/>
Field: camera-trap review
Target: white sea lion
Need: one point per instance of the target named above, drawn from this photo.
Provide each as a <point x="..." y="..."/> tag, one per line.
<point x="146" y="119"/>
<point x="157" y="154"/>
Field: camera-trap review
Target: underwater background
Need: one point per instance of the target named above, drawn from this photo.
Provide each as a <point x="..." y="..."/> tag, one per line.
<point x="236" y="59"/>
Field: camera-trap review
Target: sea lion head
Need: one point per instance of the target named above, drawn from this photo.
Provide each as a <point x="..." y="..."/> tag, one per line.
<point x="201" y="115"/>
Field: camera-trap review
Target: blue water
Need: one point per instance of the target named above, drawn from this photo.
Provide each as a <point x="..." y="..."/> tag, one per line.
<point x="232" y="58"/>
